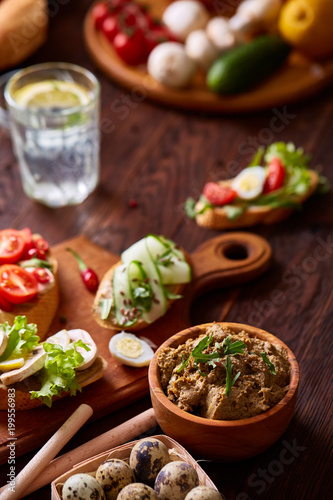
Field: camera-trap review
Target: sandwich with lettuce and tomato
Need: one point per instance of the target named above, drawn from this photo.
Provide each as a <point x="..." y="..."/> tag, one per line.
<point x="28" y="279"/>
<point x="277" y="182"/>
<point x="41" y="372"/>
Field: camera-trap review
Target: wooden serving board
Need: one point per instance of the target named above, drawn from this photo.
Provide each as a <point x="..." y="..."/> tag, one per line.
<point x="227" y="260"/>
<point x="299" y="78"/>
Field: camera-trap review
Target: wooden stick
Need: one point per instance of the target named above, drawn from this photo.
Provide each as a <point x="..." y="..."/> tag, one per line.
<point x="110" y="439"/>
<point x="50" y="449"/>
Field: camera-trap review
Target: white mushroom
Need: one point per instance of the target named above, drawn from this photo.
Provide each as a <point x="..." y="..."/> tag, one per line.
<point x="184" y="16"/>
<point x="169" y="64"/>
<point x="88" y="356"/>
<point x="253" y="16"/>
<point x="200" y="48"/>
<point x="33" y="364"/>
<point x="220" y="33"/>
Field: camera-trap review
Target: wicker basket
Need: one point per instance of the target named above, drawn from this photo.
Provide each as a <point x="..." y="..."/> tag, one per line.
<point x="176" y="451"/>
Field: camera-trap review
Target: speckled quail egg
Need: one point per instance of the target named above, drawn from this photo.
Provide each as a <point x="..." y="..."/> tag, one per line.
<point x="113" y="475"/>
<point x="147" y="458"/>
<point x="137" y="491"/>
<point x="130" y="350"/>
<point x="175" y="480"/>
<point x="82" y="486"/>
<point x="203" y="493"/>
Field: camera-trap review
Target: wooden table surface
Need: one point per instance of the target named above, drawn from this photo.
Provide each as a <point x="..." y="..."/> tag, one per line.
<point x="158" y="157"/>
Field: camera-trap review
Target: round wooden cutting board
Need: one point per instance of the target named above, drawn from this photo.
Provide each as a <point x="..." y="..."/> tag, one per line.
<point x="299" y="78"/>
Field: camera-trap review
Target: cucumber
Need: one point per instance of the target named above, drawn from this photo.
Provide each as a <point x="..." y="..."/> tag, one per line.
<point x="240" y="69"/>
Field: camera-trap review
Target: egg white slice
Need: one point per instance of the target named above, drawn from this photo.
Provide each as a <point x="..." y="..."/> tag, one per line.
<point x="130" y="350"/>
<point x="249" y="183"/>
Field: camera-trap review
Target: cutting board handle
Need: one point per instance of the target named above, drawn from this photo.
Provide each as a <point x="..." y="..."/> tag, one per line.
<point x="227" y="260"/>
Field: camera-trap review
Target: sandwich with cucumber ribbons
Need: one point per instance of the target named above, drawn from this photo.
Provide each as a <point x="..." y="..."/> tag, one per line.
<point x="37" y="372"/>
<point x="140" y="288"/>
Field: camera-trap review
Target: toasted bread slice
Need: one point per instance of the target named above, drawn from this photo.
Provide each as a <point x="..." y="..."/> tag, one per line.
<point x="40" y="310"/>
<point x="105" y="291"/>
<point x="216" y="217"/>
<point x="22" y="394"/>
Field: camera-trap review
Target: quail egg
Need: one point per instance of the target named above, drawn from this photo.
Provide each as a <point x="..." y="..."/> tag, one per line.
<point x="147" y="458"/>
<point x="113" y="475"/>
<point x="175" y="480"/>
<point x="82" y="486"/>
<point x="137" y="491"/>
<point x="249" y="183"/>
<point x="130" y="350"/>
<point x="203" y="493"/>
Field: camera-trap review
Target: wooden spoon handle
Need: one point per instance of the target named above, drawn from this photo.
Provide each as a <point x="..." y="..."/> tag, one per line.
<point x="227" y="260"/>
<point x="38" y="463"/>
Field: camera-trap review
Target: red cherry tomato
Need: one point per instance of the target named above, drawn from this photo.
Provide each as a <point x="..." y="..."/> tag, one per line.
<point x="16" y="284"/>
<point x="275" y="176"/>
<point x="157" y="35"/>
<point x="99" y="12"/>
<point x="130" y="47"/>
<point x="42" y="275"/>
<point x="41" y="244"/>
<point x="12" y="245"/>
<point x="110" y="27"/>
<point x="217" y="194"/>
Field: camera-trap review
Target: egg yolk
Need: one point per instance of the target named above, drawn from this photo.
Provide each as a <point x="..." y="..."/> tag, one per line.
<point x="249" y="182"/>
<point x="129" y="347"/>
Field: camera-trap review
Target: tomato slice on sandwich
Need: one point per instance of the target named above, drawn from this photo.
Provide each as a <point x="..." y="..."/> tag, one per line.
<point x="12" y="245"/>
<point x="16" y="284"/>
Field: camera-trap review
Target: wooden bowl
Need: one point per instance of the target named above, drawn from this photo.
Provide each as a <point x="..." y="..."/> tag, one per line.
<point x="223" y="440"/>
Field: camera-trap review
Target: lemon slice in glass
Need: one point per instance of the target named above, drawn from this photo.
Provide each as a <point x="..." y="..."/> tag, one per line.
<point x="11" y="364"/>
<point x="52" y="94"/>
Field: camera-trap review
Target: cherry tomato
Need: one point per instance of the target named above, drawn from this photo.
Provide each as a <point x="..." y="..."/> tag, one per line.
<point x="217" y="194"/>
<point x="110" y="27"/>
<point x="41" y="244"/>
<point x="42" y="275"/>
<point x="16" y="284"/>
<point x="11" y="246"/>
<point x="157" y="35"/>
<point x="130" y="47"/>
<point x="99" y="12"/>
<point x="275" y="176"/>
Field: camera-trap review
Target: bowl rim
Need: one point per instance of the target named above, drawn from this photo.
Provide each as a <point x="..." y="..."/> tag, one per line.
<point x="158" y="392"/>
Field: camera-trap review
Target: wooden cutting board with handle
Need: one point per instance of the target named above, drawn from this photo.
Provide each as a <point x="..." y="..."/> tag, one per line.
<point x="226" y="260"/>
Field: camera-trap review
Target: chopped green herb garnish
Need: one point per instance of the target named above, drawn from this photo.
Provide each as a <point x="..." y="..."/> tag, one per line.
<point x="233" y="348"/>
<point x="229" y="382"/>
<point x="143" y="296"/>
<point x="268" y="363"/>
<point x="198" y="356"/>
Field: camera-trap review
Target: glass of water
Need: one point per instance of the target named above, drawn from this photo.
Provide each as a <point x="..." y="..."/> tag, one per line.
<point x="54" y="120"/>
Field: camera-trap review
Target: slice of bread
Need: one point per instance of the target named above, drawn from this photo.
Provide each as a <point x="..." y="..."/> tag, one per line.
<point x="216" y="217"/>
<point x="22" y="394"/>
<point x="42" y="309"/>
<point x="105" y="291"/>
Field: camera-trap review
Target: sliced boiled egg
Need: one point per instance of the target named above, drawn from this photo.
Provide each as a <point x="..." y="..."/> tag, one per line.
<point x="249" y="183"/>
<point x="130" y="350"/>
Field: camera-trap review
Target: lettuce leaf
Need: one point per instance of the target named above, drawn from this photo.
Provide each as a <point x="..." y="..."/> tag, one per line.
<point x="22" y="338"/>
<point x="58" y="374"/>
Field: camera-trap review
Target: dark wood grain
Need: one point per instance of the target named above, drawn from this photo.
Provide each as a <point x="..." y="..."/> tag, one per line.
<point x="159" y="156"/>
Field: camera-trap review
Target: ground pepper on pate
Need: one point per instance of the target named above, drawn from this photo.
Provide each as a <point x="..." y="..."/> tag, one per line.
<point x="255" y="391"/>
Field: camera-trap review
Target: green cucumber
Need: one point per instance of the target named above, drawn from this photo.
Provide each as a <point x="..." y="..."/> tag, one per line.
<point x="243" y="67"/>
<point x="121" y="295"/>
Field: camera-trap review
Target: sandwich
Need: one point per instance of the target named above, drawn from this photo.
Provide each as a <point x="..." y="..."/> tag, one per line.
<point x="28" y="279"/>
<point x="140" y="288"/>
<point x="259" y="194"/>
<point x="38" y="373"/>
